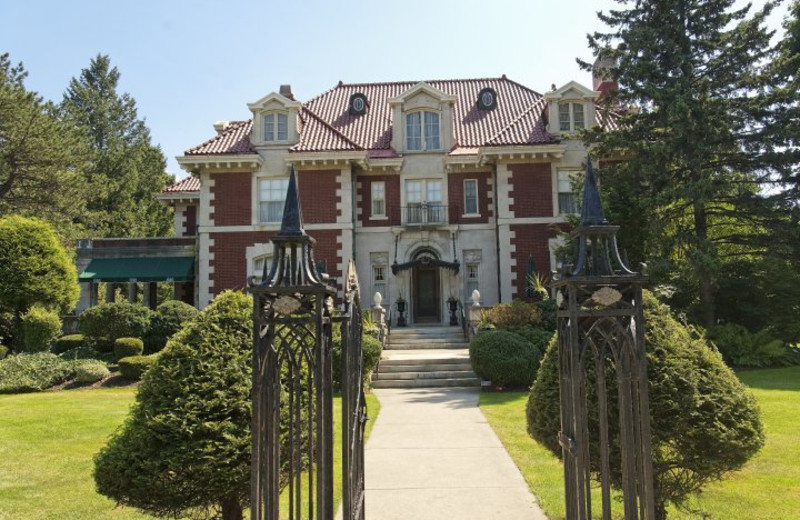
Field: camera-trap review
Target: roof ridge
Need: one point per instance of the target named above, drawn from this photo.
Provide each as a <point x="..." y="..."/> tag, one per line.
<point x="414" y="82"/>
<point x="516" y="120"/>
<point x="332" y="129"/>
<point x="229" y="128"/>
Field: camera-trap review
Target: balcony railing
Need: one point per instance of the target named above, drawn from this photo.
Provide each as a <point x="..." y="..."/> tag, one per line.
<point x="425" y="214"/>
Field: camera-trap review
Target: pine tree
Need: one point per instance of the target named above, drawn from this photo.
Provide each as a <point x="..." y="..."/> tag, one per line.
<point x="128" y="170"/>
<point x="698" y="145"/>
<point x="41" y="158"/>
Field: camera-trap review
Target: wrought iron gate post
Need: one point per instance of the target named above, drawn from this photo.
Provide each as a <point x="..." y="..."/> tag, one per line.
<point x="293" y="316"/>
<point x="601" y="330"/>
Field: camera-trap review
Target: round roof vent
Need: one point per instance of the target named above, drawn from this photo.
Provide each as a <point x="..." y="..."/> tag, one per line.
<point x="358" y="104"/>
<point x="487" y="99"/>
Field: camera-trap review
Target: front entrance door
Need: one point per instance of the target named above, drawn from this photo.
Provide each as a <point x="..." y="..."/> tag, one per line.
<point x="426" y="294"/>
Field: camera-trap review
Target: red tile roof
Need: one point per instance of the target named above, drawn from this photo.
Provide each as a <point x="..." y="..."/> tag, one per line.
<point x="189" y="184"/>
<point x="325" y="123"/>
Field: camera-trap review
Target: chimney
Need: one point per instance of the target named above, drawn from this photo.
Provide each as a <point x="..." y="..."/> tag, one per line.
<point x="220" y="126"/>
<point x="601" y="75"/>
<point x="286" y="91"/>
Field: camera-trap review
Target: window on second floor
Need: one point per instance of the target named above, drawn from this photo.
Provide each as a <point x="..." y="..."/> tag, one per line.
<point x="271" y="195"/>
<point x="378" y="199"/>
<point x="471" y="197"/>
<point x="276" y="127"/>
<point x="567" y="201"/>
<point x="571" y="117"/>
<point x="429" y="193"/>
<point x="422" y="131"/>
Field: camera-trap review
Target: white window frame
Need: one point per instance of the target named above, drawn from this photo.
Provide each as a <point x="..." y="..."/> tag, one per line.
<point x="467" y="212"/>
<point x="378" y="198"/>
<point x="278" y="194"/>
<point x="564" y="188"/>
<point x="573" y="111"/>
<point x="435" y="208"/>
<point x="429" y="139"/>
<point x="272" y="127"/>
<point x="379" y="280"/>
<point x="471" y="278"/>
<point x="258" y="266"/>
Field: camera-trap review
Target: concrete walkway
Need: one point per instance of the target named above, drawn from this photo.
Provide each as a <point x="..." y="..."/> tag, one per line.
<point x="433" y="456"/>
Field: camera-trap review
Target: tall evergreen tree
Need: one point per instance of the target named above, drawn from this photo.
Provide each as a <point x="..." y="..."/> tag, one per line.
<point x="41" y="158"/>
<point x="128" y="170"/>
<point x="698" y="148"/>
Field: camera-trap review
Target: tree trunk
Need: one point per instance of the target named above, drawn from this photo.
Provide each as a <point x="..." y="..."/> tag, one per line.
<point x="231" y="508"/>
<point x="704" y="271"/>
<point x="661" y="510"/>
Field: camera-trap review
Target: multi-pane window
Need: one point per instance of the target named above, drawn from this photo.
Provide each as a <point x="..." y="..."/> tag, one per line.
<point x="276" y="127"/>
<point x="271" y="195"/>
<point x="259" y="263"/>
<point x="379" y="280"/>
<point x="379" y="199"/>
<point x="472" y="278"/>
<point x="424" y="201"/>
<point x="471" y="197"/>
<point x="422" y="131"/>
<point x="571" y="117"/>
<point x="567" y="202"/>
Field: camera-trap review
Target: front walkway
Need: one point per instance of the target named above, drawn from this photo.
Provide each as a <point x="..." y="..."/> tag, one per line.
<point x="433" y="456"/>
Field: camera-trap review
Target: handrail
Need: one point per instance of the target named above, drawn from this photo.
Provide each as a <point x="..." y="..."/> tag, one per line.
<point x="464" y="323"/>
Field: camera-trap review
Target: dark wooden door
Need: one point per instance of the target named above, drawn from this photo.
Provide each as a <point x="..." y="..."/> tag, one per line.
<point x="426" y="294"/>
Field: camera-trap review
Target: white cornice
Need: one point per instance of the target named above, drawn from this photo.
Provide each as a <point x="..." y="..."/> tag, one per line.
<point x="520" y="153"/>
<point x="179" y="196"/>
<point x="393" y="164"/>
<point x="192" y="163"/>
<point x="326" y="159"/>
<point x="423" y="87"/>
<point x="274" y="96"/>
<point x="584" y="93"/>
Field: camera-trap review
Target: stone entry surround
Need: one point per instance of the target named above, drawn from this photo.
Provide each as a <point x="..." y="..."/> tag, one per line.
<point x="433" y="456"/>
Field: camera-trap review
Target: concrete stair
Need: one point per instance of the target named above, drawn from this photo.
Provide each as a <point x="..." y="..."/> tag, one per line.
<point x="425" y="357"/>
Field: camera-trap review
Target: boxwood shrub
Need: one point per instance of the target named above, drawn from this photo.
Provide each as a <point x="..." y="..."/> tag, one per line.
<point x="505" y="358"/>
<point x="85" y="352"/>
<point x="704" y="422"/>
<point x="40" y="326"/>
<point x="168" y="319"/>
<point x="68" y="342"/>
<point x="133" y="368"/>
<point x="33" y="372"/>
<point x="105" y="323"/>
<point x="127" y="347"/>
<point x="90" y="371"/>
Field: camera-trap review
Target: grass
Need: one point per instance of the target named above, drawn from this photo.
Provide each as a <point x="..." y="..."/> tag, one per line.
<point x="768" y="487"/>
<point x="47" y="442"/>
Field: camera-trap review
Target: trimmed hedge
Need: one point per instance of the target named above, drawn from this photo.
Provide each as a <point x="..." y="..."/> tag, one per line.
<point x="518" y="313"/>
<point x="371" y="350"/>
<point x="33" y="372"/>
<point x="704" y="422"/>
<point x="505" y="358"/>
<point x="133" y="368"/>
<point x="167" y="319"/>
<point x="127" y="347"/>
<point x="103" y="324"/>
<point x="85" y="352"/>
<point x="40" y="326"/>
<point x="68" y="342"/>
<point x="90" y="371"/>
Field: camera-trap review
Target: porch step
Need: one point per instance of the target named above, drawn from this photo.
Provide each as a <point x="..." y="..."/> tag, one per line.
<point x="426" y="383"/>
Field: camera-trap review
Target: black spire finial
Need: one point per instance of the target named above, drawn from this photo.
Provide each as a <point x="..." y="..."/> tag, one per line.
<point x="292" y="223"/>
<point x="592" y="210"/>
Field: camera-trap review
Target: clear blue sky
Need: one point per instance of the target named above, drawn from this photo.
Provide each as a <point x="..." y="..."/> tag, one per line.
<point x="189" y="63"/>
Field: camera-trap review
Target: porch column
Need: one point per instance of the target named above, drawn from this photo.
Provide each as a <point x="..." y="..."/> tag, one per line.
<point x="93" y="286"/>
<point x="133" y="291"/>
<point x="110" y="292"/>
<point x="150" y="294"/>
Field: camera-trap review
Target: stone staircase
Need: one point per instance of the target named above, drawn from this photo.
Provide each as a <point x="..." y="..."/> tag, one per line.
<point x="425" y="357"/>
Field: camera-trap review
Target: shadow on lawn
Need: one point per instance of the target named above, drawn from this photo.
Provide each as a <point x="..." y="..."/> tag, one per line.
<point x="787" y="378"/>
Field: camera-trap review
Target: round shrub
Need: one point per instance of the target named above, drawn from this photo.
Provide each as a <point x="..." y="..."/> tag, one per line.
<point x="168" y="319"/>
<point x="133" y="368"/>
<point x="504" y="358"/>
<point x="68" y="342"/>
<point x="90" y="371"/>
<point x="127" y="347"/>
<point x="40" y="326"/>
<point x="515" y="314"/>
<point x="103" y="324"/>
<point x="704" y="422"/>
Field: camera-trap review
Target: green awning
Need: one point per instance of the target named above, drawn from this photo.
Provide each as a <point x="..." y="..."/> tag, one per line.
<point x="142" y="269"/>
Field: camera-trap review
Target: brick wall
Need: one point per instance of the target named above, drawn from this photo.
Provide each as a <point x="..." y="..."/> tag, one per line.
<point x="392" y="183"/>
<point x="230" y="256"/>
<point x="455" y="195"/>
<point x="190" y="220"/>
<point x="530" y="239"/>
<point x="318" y="196"/>
<point x="231" y="201"/>
<point x="532" y="190"/>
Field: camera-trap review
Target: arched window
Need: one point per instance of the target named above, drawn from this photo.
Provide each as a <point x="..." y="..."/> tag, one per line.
<point x="276" y="127"/>
<point x="422" y="131"/>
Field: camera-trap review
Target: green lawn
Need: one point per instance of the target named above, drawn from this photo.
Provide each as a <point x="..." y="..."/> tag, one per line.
<point x="47" y="441"/>
<point x="767" y="488"/>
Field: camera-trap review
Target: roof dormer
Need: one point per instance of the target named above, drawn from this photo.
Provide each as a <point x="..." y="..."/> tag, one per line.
<point x="422" y="120"/>
<point x="571" y="108"/>
<point x="275" y="119"/>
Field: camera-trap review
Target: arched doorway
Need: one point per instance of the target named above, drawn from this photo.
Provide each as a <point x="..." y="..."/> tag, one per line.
<point x="426" y="288"/>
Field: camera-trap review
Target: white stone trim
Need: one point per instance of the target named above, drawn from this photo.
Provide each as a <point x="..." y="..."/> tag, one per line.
<point x="272" y="227"/>
<point x="205" y="283"/>
<point x="206" y="200"/>
<point x="507" y="281"/>
<point x="490" y="197"/>
<point x="505" y="187"/>
<point x="192" y="163"/>
<point x="345" y="241"/>
<point x="533" y="220"/>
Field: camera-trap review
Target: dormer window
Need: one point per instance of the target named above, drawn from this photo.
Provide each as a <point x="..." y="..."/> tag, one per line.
<point x="276" y="127"/>
<point x="571" y="117"/>
<point x="422" y="131"/>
